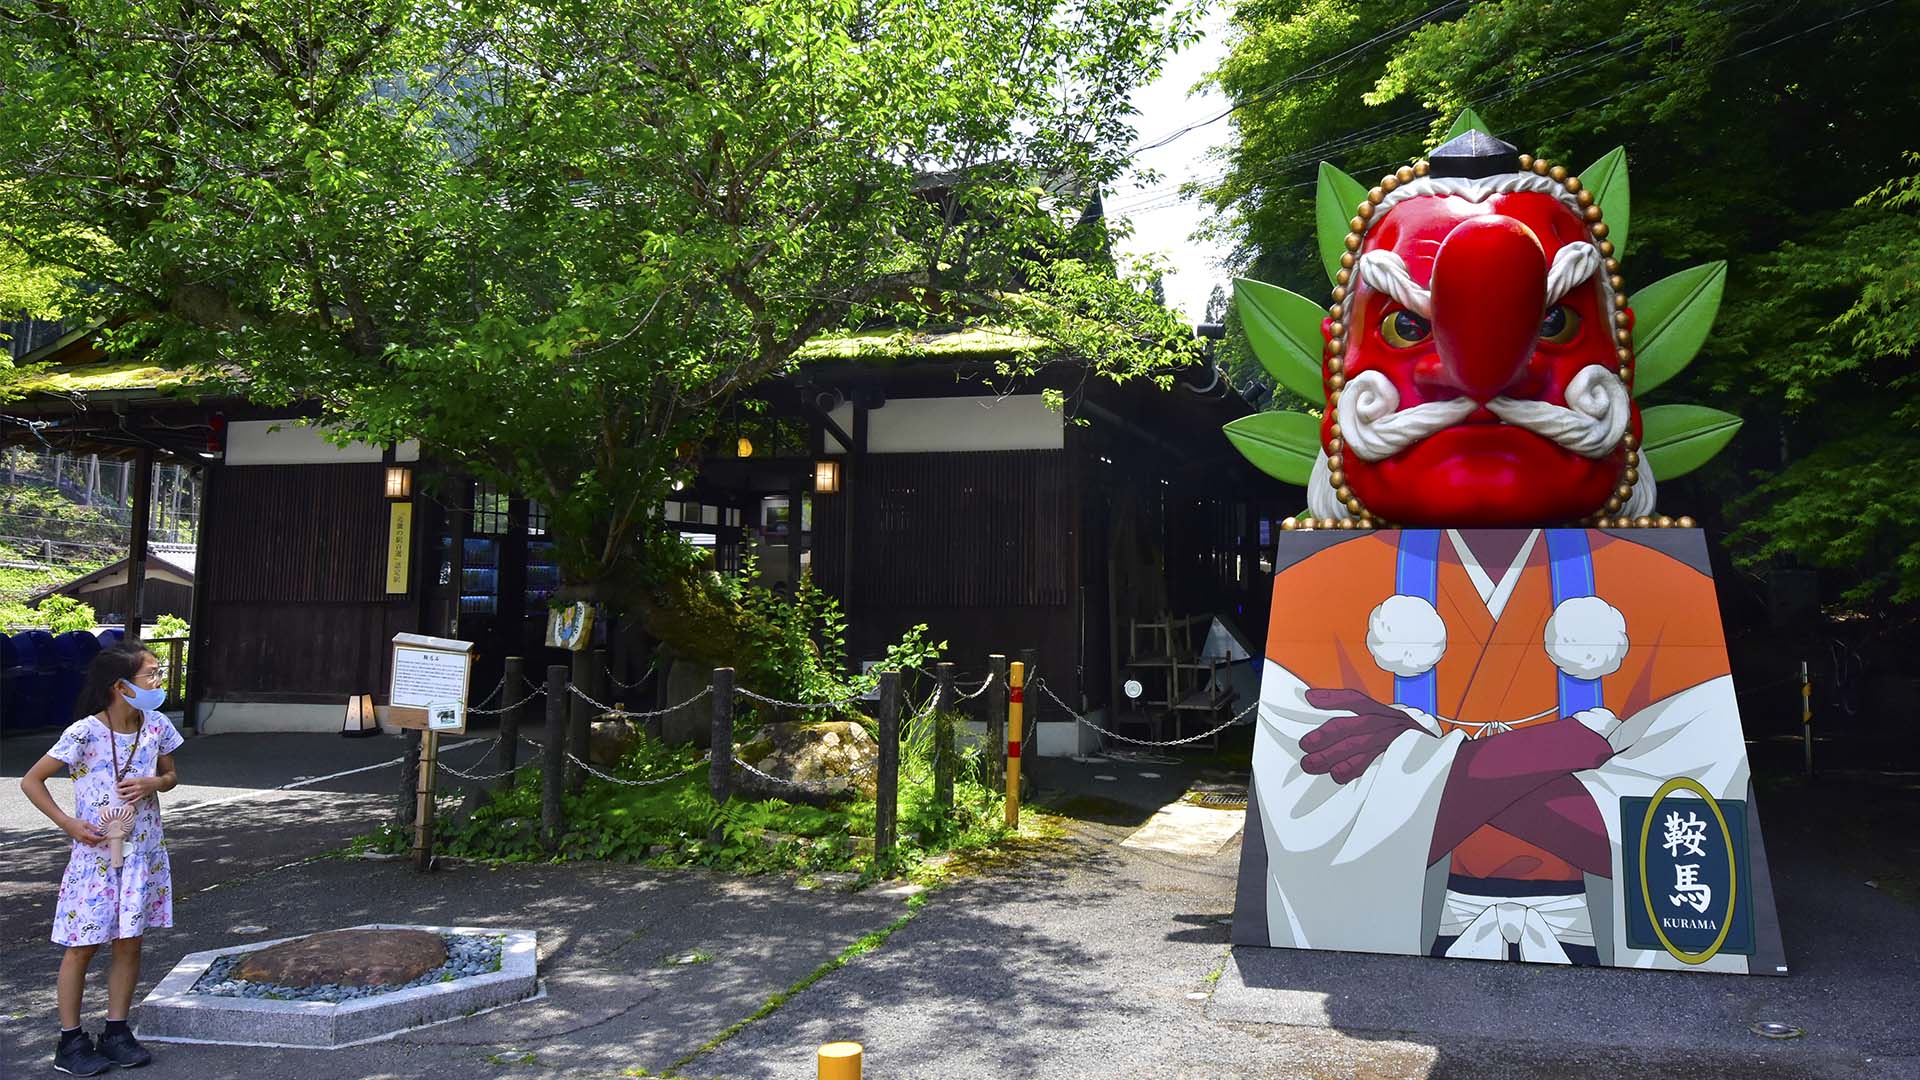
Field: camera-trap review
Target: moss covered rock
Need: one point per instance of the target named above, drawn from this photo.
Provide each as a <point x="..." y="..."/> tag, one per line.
<point x="833" y="760"/>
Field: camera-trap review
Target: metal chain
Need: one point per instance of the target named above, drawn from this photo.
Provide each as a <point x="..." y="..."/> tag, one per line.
<point x="474" y="710"/>
<point x="1244" y="713"/>
<point x="494" y="694"/>
<point x="484" y="752"/>
<point x="764" y="700"/>
<point x="612" y="779"/>
<point x="969" y="696"/>
<point x="495" y="775"/>
<point x="644" y="676"/>
<point x="608" y="710"/>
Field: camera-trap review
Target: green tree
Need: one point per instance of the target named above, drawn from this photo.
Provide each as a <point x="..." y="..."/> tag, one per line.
<point x="552" y="238"/>
<point x="1751" y="129"/>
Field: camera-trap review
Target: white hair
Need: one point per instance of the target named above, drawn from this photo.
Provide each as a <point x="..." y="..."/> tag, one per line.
<point x="1375" y="428"/>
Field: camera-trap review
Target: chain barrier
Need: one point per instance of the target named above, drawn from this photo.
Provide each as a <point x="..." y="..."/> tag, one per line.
<point x="608" y="710"/>
<point x="484" y="753"/>
<point x="612" y="779"/>
<point x="475" y="710"/>
<point x="502" y="685"/>
<point x="764" y="700"/>
<point x="1209" y="733"/>
<point x="644" y="676"/>
<point x="977" y="691"/>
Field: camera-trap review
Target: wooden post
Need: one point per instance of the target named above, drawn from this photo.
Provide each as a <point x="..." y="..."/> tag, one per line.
<point x="409" y="776"/>
<point x="720" y="761"/>
<point x="553" y="770"/>
<point x="175" y="669"/>
<point x="580" y="727"/>
<point x="943" y="738"/>
<point x="995" y="756"/>
<point x="423" y="809"/>
<point x="886" y="804"/>
<point x="513" y="693"/>
<point x="137" y="541"/>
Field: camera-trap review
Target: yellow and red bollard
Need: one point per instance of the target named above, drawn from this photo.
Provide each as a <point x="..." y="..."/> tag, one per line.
<point x="840" y="1061"/>
<point x="1016" y="708"/>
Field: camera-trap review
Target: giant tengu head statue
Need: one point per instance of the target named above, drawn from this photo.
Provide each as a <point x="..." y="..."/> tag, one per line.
<point x="1479" y="362"/>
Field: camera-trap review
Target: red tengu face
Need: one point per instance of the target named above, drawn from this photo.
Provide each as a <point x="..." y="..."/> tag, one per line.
<point x="1490" y="324"/>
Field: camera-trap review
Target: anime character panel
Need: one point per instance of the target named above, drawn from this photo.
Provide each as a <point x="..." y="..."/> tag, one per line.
<point x="1503" y="744"/>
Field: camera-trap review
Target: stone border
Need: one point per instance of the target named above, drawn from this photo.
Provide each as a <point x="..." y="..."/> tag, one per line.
<point x="172" y="1013"/>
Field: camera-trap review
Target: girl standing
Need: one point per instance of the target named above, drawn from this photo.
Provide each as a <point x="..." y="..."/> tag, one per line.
<point x="120" y="752"/>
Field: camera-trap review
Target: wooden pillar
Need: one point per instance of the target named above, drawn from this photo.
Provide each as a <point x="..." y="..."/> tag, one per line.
<point x="796" y="499"/>
<point x="943" y="738"/>
<point x="137" y="541"/>
<point x="203" y="572"/>
<point x="850" y="503"/>
<point x="996" y="755"/>
<point x="580" y="725"/>
<point x="886" y="808"/>
<point x="720" y="738"/>
<point x="513" y="699"/>
<point x="423" y="810"/>
<point x="553" y="769"/>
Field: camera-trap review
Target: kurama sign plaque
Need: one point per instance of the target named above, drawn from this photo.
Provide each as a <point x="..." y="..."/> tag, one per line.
<point x="1496" y="717"/>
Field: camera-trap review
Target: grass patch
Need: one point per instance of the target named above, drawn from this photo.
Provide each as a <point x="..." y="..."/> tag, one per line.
<point x="513" y="1057"/>
<point x="861" y="946"/>
<point x="676" y="823"/>
<point x="687" y="959"/>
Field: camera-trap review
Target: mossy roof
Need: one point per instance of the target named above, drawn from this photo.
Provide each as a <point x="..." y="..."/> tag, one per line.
<point x="873" y="346"/>
<point x="895" y="346"/>
<point x="102" y="376"/>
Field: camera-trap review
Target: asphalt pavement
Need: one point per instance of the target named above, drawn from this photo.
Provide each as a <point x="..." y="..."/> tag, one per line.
<point x="1092" y="959"/>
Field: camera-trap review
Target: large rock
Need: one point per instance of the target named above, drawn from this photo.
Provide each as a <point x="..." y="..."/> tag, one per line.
<point x="694" y="723"/>
<point x="609" y="740"/>
<point x="347" y="958"/>
<point x="832" y="760"/>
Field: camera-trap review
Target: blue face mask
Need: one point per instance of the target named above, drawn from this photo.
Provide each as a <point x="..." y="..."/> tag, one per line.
<point x="142" y="699"/>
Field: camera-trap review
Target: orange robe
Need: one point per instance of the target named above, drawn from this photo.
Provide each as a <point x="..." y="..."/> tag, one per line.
<point x="1499" y="670"/>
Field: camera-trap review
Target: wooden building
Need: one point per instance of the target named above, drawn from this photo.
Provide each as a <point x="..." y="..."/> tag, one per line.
<point x="168" y="591"/>
<point x="954" y="498"/>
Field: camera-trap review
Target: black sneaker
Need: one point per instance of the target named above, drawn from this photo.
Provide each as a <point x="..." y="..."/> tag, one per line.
<point x="77" y="1056"/>
<point x="121" y="1048"/>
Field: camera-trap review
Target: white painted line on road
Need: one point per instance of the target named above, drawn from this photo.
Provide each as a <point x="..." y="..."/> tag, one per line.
<point x="257" y="793"/>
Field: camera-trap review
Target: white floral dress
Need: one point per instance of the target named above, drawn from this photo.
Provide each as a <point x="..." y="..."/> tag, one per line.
<point x="96" y="904"/>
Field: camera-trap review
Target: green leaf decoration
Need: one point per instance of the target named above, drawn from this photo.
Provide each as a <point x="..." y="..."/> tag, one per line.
<point x="1281" y="444"/>
<point x="1607" y="179"/>
<point x="1284" y="329"/>
<point x="1468" y="121"/>
<point x="1677" y="439"/>
<point x="1671" y="318"/>
<point x="1339" y="196"/>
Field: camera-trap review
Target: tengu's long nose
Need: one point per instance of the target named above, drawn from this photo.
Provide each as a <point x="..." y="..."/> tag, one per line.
<point x="1489" y="290"/>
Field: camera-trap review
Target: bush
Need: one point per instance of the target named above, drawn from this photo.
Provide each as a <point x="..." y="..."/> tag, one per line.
<point x="56" y="614"/>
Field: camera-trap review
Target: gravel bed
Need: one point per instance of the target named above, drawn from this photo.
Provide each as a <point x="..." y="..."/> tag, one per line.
<point x="467" y="955"/>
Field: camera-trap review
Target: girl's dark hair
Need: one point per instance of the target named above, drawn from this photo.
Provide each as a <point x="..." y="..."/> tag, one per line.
<point x="108" y="668"/>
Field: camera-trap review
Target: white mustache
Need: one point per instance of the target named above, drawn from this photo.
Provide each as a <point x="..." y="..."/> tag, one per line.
<point x="1591" y="424"/>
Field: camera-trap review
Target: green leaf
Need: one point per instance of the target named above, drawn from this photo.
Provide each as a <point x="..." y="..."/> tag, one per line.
<point x="1677" y="439"/>
<point x="1284" y="329"/>
<point x="1671" y="318"/>
<point x="1467" y="121"/>
<point x="1607" y="179"/>
<point x="1282" y="445"/>
<point x="1333" y="206"/>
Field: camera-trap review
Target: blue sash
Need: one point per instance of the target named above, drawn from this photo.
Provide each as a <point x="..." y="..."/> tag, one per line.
<point x="1571" y="560"/>
<point x="1417" y="573"/>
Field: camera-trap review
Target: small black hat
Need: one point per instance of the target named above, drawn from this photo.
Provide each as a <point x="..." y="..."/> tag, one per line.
<point x="1473" y="155"/>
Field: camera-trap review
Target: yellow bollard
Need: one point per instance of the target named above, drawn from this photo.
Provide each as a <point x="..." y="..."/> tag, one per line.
<point x="840" y="1061"/>
<point x="1016" y="708"/>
